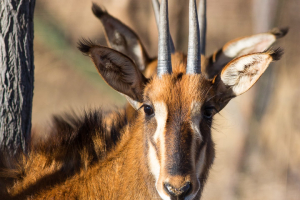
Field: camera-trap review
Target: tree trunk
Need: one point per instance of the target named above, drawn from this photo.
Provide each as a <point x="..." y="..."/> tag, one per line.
<point x="16" y="73"/>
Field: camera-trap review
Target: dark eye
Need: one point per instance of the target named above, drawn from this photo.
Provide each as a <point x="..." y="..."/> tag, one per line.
<point x="148" y="110"/>
<point x="208" y="112"/>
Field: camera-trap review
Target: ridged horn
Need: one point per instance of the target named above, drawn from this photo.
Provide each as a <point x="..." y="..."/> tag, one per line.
<point x="155" y="4"/>
<point x="193" y="56"/>
<point x="202" y="25"/>
<point x="164" y="65"/>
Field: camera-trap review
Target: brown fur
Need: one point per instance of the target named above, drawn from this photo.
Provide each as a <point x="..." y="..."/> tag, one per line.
<point x="101" y="155"/>
<point x="74" y="144"/>
<point x="107" y="155"/>
<point x="78" y="161"/>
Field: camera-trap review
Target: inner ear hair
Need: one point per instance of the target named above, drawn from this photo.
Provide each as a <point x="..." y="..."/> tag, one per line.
<point x="122" y="38"/>
<point x="117" y="69"/>
<point x="241" y="73"/>
<point x="239" y="47"/>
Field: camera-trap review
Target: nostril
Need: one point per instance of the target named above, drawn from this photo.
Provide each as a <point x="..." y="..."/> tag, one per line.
<point x="186" y="188"/>
<point x="182" y="191"/>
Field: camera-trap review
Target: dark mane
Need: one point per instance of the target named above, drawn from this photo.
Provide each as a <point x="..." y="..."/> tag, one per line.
<point x="73" y="143"/>
<point x="82" y="140"/>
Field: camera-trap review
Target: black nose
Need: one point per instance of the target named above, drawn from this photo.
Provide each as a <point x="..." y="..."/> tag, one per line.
<point x="178" y="192"/>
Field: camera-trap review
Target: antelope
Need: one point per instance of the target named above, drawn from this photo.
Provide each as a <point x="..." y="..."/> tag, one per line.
<point x="164" y="150"/>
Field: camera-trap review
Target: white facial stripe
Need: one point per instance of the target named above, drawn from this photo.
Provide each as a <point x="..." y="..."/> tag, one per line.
<point x="192" y="196"/>
<point x="153" y="162"/>
<point x="162" y="150"/>
<point x="241" y="78"/>
<point x="161" y="114"/>
<point x="196" y="117"/>
<point x="163" y="195"/>
<point x="201" y="161"/>
<point x="155" y="169"/>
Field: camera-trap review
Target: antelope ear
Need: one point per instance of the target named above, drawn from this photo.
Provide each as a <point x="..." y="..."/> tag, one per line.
<point x="121" y="38"/>
<point x="241" y="46"/>
<point x="240" y="74"/>
<point x="117" y="70"/>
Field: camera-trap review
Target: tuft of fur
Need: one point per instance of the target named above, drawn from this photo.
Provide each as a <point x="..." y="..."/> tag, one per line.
<point x="279" y="32"/>
<point x="85" y="45"/>
<point x="98" y="11"/>
<point x="275" y="53"/>
<point x="8" y="172"/>
<point x="82" y="140"/>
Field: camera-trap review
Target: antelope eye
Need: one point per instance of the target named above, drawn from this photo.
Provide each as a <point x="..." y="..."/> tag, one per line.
<point x="208" y="112"/>
<point x="148" y="110"/>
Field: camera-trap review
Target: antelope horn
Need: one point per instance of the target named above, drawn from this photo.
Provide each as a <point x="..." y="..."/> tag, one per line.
<point x="202" y="24"/>
<point x="164" y="54"/>
<point x="155" y="4"/>
<point x="193" y="57"/>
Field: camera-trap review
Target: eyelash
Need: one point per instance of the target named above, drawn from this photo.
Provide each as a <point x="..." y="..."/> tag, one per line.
<point x="211" y="109"/>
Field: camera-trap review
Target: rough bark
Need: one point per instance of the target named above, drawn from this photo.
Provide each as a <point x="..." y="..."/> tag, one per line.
<point x="16" y="73"/>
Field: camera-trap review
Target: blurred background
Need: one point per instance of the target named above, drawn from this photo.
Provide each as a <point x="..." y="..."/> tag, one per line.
<point x="257" y="135"/>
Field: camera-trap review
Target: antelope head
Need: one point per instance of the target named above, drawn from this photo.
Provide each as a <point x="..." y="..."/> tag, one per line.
<point x="176" y="106"/>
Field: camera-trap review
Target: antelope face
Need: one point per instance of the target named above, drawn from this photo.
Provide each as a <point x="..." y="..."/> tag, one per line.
<point x="178" y="110"/>
<point x="177" y="104"/>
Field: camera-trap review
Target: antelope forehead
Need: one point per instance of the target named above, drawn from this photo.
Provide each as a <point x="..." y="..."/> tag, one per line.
<point x="161" y="115"/>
